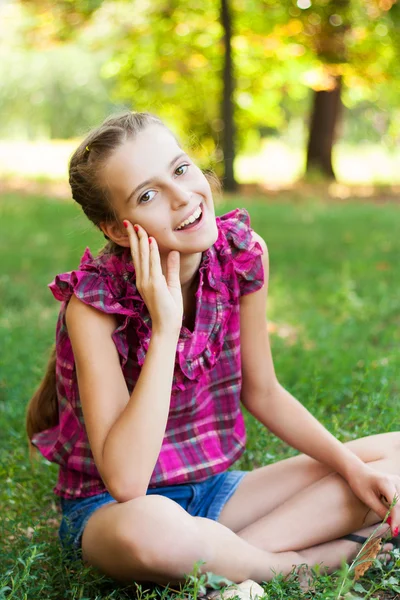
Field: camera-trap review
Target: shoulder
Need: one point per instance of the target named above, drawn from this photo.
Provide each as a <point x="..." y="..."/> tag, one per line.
<point x="236" y="232"/>
<point x="90" y="333"/>
<point x="260" y="240"/>
<point x="242" y="250"/>
<point x="81" y="318"/>
<point x="265" y="255"/>
<point x="105" y="283"/>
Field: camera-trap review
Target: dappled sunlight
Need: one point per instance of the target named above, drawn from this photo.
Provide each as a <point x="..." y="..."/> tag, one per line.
<point x="40" y="159"/>
<point x="277" y="164"/>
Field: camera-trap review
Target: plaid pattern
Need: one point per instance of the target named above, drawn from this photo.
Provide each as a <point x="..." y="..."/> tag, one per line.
<point x="205" y="432"/>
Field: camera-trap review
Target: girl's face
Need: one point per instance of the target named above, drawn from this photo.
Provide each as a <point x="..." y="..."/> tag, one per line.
<point x="155" y="184"/>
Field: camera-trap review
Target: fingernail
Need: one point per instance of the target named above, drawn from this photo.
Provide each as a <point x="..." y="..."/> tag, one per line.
<point x="125" y="223"/>
<point x="136" y="228"/>
<point x="396" y="531"/>
<point x="389" y="520"/>
<point x="149" y="240"/>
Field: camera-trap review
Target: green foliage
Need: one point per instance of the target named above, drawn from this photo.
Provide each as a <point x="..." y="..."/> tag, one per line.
<point x="168" y="59"/>
<point x="52" y="93"/>
<point x="170" y="63"/>
<point x="334" y="316"/>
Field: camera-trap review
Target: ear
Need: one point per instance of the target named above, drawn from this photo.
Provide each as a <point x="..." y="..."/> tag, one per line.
<point x="116" y="232"/>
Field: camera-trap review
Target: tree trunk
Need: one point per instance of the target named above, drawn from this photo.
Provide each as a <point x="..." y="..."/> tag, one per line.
<point x="324" y="121"/>
<point x="227" y="108"/>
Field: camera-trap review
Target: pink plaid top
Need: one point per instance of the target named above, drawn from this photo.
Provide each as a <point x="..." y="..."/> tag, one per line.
<point x="205" y="431"/>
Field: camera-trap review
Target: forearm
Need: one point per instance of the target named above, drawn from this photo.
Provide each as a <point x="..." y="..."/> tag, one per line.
<point x="134" y="442"/>
<point x="288" y="419"/>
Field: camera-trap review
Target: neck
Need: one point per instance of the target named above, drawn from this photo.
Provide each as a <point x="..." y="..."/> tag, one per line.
<point x="189" y="266"/>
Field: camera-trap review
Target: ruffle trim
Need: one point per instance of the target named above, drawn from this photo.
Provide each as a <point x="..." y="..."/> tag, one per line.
<point x="106" y="282"/>
<point x="238" y="252"/>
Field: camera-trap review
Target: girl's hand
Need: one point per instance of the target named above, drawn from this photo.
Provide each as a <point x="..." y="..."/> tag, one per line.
<point x="378" y="490"/>
<point x="162" y="296"/>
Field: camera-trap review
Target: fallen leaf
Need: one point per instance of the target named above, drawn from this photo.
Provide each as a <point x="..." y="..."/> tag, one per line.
<point x="369" y="553"/>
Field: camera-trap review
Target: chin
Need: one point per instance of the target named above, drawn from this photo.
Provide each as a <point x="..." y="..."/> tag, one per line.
<point x="200" y="245"/>
<point x="209" y="238"/>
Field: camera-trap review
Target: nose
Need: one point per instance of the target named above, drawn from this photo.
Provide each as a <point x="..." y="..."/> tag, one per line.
<point x="179" y="196"/>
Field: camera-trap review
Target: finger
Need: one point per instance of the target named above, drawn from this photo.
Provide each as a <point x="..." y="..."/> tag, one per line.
<point x="390" y="492"/>
<point x="373" y="501"/>
<point x="144" y="252"/>
<point x="155" y="260"/>
<point x="385" y="501"/>
<point x="173" y="269"/>
<point x="134" y="244"/>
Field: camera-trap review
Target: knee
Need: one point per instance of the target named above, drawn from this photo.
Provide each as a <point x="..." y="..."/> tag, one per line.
<point x="392" y="443"/>
<point x="162" y="537"/>
<point x="396" y="442"/>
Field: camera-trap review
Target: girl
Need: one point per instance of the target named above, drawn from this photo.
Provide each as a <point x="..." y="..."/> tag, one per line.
<point x="158" y="340"/>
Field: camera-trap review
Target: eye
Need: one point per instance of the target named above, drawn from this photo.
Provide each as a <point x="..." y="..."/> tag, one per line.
<point x="143" y="200"/>
<point x="184" y="166"/>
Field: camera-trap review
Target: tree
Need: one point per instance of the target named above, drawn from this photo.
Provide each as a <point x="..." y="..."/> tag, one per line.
<point x="330" y="47"/>
<point x="338" y="29"/>
<point x="227" y="112"/>
<point x="229" y="85"/>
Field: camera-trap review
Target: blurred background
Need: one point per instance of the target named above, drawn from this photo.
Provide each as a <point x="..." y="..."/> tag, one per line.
<point x="295" y="104"/>
<point x="268" y="94"/>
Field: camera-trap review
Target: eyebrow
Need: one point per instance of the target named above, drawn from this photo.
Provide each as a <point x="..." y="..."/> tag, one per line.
<point x="148" y="181"/>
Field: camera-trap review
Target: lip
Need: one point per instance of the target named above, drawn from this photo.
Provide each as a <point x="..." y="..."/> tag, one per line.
<point x="188" y="215"/>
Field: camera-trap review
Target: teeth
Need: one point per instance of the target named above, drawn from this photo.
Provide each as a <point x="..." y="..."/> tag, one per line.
<point x="191" y="219"/>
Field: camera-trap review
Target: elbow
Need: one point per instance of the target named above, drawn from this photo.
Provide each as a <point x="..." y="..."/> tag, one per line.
<point x="123" y="481"/>
<point x="123" y="490"/>
<point x="259" y="399"/>
<point x="124" y="493"/>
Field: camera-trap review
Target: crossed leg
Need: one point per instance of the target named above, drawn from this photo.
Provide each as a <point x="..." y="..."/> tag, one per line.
<point x="298" y="503"/>
<point x="152" y="538"/>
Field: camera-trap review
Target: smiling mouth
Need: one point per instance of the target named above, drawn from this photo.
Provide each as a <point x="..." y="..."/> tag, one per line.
<point x="193" y="223"/>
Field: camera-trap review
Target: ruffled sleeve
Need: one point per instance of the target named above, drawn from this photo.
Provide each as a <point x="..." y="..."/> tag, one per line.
<point x="92" y="284"/>
<point x="237" y="247"/>
<point x="107" y="283"/>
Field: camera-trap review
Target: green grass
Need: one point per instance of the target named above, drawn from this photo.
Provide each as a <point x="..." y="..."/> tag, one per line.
<point x="335" y="312"/>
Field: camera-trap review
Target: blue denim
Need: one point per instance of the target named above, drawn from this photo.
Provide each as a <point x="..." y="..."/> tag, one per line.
<point x="204" y="499"/>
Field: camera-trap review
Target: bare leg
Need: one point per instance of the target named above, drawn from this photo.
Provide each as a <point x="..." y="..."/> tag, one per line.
<point x="321" y="507"/>
<point x="153" y="539"/>
<point x="332" y="554"/>
<point x="267" y="488"/>
<point x="322" y="512"/>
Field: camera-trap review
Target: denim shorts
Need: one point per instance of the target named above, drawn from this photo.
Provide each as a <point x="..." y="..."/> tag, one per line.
<point x="204" y="499"/>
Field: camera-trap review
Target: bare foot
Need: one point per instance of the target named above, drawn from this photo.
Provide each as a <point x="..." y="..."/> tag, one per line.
<point x="376" y="532"/>
<point x="330" y="556"/>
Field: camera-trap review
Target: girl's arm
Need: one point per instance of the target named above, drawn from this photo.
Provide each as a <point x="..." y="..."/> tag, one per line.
<point x="125" y="432"/>
<point x="267" y="400"/>
<point x="286" y="417"/>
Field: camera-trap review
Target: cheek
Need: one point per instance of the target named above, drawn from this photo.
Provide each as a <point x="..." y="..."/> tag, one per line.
<point x="203" y="185"/>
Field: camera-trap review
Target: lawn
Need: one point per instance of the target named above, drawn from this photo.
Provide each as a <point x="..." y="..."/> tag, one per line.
<point x="334" y="318"/>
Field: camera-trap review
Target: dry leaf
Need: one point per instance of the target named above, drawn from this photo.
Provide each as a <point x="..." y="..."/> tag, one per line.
<point x="369" y="552"/>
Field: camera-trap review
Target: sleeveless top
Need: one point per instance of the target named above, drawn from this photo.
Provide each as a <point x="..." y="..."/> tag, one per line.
<point x="205" y="432"/>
